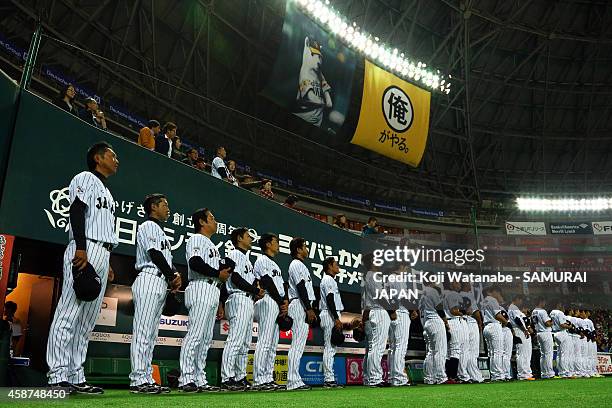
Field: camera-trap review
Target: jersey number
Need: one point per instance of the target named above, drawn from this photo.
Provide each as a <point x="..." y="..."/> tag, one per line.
<point x="102" y="202"/>
<point x="165" y="245"/>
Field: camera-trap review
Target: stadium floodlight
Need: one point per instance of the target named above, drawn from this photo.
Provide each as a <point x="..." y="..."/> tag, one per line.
<point x="535" y="204"/>
<point x="369" y="46"/>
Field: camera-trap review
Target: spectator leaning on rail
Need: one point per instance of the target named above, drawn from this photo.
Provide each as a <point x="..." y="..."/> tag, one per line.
<point x="66" y="100"/>
<point x="340" y="221"/>
<point x="177" y="150"/>
<point x="231" y="172"/>
<point x="93" y="115"/>
<point x="266" y="190"/>
<point x="200" y="164"/>
<point x="192" y="157"/>
<point x="147" y="135"/>
<point x="370" y="227"/>
<point x="291" y="201"/>
<point x="164" y="141"/>
<point x="218" y="167"/>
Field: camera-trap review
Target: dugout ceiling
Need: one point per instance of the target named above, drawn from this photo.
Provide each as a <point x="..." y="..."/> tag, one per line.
<point x="529" y="110"/>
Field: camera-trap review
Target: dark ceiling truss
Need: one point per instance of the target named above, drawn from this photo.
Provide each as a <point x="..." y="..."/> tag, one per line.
<point x="529" y="109"/>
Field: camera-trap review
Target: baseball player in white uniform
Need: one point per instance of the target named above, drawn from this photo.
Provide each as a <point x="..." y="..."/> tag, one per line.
<point x="331" y="307"/>
<point x="523" y="349"/>
<point x="542" y="324"/>
<point x="574" y="335"/>
<point x="592" y="345"/>
<point x="149" y="290"/>
<point x="399" y="334"/>
<point x="456" y="362"/>
<point x="218" y="168"/>
<point x="565" y="345"/>
<point x="206" y="274"/>
<point x="435" y="328"/>
<point x="91" y="237"/>
<point x="239" y="310"/>
<point x="493" y="321"/>
<point x="474" y="327"/>
<point x="380" y="315"/>
<point x="583" y="358"/>
<point x="301" y="310"/>
<point x="267" y="309"/>
<point x="508" y="338"/>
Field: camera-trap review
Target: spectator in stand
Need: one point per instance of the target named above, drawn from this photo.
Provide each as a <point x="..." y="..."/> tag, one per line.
<point x="266" y="190"/>
<point x="200" y="164"/>
<point x="340" y="221"/>
<point x="192" y="157"/>
<point x="291" y="201"/>
<point x="370" y="227"/>
<point x="93" y="115"/>
<point x="231" y="173"/>
<point x="177" y="150"/>
<point x="218" y="167"/>
<point x="66" y="100"/>
<point x="147" y="135"/>
<point x="165" y="140"/>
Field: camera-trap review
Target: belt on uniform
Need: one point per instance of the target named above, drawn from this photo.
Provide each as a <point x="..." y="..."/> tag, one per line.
<point x="105" y="245"/>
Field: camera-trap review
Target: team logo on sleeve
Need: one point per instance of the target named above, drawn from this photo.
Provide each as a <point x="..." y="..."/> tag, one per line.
<point x="196" y="250"/>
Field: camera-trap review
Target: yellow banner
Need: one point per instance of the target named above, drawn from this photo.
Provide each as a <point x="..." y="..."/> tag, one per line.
<point x="394" y="117"/>
<point x="281" y="367"/>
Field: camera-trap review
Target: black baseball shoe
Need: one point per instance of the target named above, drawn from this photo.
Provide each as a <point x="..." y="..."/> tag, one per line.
<point x="190" y="387"/>
<point x="330" y="384"/>
<point x="144" y="389"/>
<point x="277" y="387"/>
<point x="208" y="388"/>
<point x="304" y="387"/>
<point x="244" y="384"/>
<point x="230" y="385"/>
<point x="162" y="389"/>
<point x="380" y="385"/>
<point x="63" y="386"/>
<point x="85" y="388"/>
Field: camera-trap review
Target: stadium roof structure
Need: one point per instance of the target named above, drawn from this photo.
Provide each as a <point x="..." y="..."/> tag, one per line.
<point x="529" y="110"/>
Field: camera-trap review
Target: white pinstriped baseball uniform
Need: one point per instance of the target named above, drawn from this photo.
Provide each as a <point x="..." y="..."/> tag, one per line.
<point x="201" y="300"/>
<point x="473" y="347"/>
<point x="379" y="328"/>
<point x="298" y="272"/>
<point x="583" y="357"/>
<point x="523" y="349"/>
<point x="565" y="345"/>
<point x="149" y="293"/>
<point x="74" y="319"/>
<point x="591" y="351"/>
<point x="328" y="286"/>
<point x="457" y="346"/>
<point x="239" y="311"/>
<point x="266" y="312"/>
<point x="545" y="341"/>
<point x="493" y="335"/>
<point x="508" y="346"/>
<point x="577" y="342"/>
<point x="398" y="340"/>
<point x="434" y="334"/>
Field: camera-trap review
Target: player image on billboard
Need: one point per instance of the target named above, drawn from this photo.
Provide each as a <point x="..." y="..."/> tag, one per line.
<point x="314" y="92"/>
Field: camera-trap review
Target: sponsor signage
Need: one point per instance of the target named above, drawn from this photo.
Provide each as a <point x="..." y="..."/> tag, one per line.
<point x="602" y="227"/>
<point x="311" y="370"/>
<point x="281" y="368"/>
<point x="571" y="228"/>
<point x="176" y="323"/>
<point x="525" y="228"/>
<point x="604" y="363"/>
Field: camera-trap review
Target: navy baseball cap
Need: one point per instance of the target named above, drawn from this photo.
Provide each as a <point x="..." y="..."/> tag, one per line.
<point x="172" y="305"/>
<point x="87" y="284"/>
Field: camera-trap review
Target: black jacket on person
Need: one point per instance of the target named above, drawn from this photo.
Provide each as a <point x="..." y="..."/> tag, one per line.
<point x="161" y="144"/>
<point x="62" y="104"/>
<point x="88" y="117"/>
